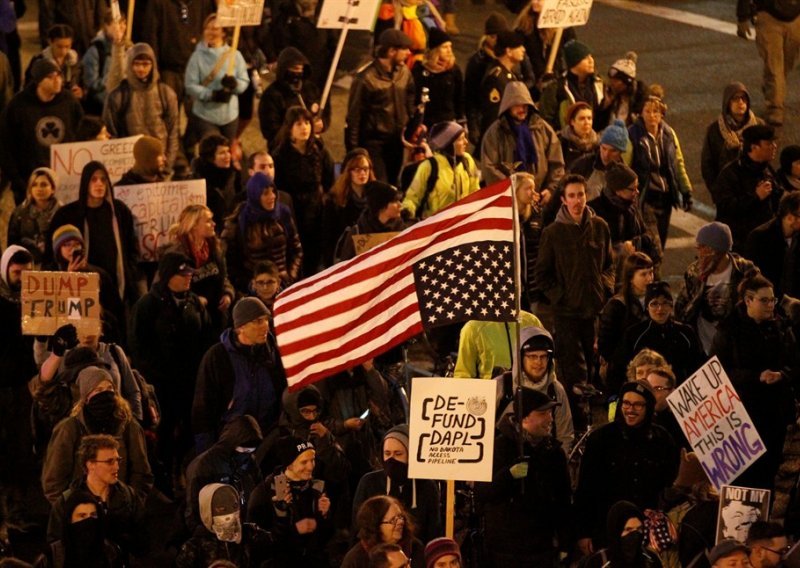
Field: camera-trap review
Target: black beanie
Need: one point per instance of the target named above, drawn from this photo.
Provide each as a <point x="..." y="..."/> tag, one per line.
<point x="289" y="447"/>
<point x="619" y="176"/>
<point x="655" y="290"/>
<point x="380" y="194"/>
<point x="174" y="263"/>
<point x="789" y="155"/>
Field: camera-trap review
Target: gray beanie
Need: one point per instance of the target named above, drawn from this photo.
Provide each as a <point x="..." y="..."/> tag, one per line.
<point x="715" y="235"/>
<point x="443" y="134"/>
<point x="399" y="433"/>
<point x="90" y="377"/>
<point x="247" y="310"/>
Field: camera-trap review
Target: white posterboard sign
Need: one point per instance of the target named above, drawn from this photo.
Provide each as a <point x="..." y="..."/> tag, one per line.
<point x="360" y="14"/>
<point x="232" y="13"/>
<point x="564" y="13"/>
<point x="715" y="422"/>
<point x="739" y="508"/>
<point x="451" y="429"/>
<point x="156" y="206"/>
<point x="67" y="160"/>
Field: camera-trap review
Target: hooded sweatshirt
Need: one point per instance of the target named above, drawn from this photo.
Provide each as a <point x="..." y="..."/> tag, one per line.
<point x="16" y="350"/>
<point x="109" y="238"/>
<point x="144" y="107"/>
<point x="500" y="144"/>
<point x="723" y="140"/>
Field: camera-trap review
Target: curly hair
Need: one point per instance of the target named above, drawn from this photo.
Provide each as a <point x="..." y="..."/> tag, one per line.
<point x="370" y="516"/>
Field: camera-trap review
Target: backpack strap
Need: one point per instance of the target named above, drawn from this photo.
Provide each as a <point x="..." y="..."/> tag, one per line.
<point x="432" y="179"/>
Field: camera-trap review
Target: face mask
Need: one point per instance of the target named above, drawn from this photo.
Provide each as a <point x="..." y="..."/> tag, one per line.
<point x="228" y="528"/>
<point x="102" y="405"/>
<point x="294" y="79"/>
<point x="631" y="546"/>
<point x="396" y="470"/>
<point x="86" y="533"/>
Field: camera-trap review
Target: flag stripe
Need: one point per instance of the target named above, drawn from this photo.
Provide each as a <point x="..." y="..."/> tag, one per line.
<point x="351" y="292"/>
<point x="363" y="307"/>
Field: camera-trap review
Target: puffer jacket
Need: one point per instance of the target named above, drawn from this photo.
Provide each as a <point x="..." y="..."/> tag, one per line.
<point x="144" y="107"/>
<point x="497" y="149"/>
<point x="380" y="104"/>
<point x="452" y="184"/>
<point x="275" y="239"/>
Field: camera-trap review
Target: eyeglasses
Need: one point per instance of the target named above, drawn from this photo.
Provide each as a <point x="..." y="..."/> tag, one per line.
<point x="394" y="521"/>
<point x="659" y="305"/>
<point x="264" y="283"/>
<point x="661" y="389"/>
<point x="309" y="411"/>
<point x="779" y="552"/>
<point x="767" y="301"/>
<point x="635" y="405"/>
<point x="109" y="461"/>
<point x="536" y="356"/>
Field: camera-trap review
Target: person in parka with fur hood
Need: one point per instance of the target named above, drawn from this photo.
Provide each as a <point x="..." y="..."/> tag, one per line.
<point x="521" y="135"/>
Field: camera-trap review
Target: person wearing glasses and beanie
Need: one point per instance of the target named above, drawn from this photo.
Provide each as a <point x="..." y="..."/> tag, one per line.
<point x="123" y="508"/>
<point x="759" y="355"/>
<point x="629" y="459"/>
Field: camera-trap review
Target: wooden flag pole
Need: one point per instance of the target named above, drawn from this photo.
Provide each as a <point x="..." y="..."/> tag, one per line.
<point x="129" y="24"/>
<point x="326" y="91"/>
<point x="450" y="509"/>
<point x="551" y="61"/>
<point x="234" y="46"/>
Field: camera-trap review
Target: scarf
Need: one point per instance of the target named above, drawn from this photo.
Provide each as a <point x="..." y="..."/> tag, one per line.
<point x="200" y="255"/>
<point x="731" y="130"/>
<point x="524" y="149"/>
<point x="253" y="213"/>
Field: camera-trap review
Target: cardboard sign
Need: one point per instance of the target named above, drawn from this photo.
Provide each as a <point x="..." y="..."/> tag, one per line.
<point x="359" y="14"/>
<point x="451" y="429"/>
<point x="155" y="208"/>
<point x="564" y="13"/>
<point x="67" y="160"/>
<point x="231" y="13"/>
<point x="53" y="299"/>
<point x="716" y="423"/>
<point x="366" y="241"/>
<point x="740" y="507"/>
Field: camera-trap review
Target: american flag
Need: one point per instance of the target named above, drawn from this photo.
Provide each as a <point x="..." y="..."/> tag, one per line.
<point x="360" y="308"/>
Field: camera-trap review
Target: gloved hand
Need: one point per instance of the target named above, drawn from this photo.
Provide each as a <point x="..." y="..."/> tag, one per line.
<point x="743" y="29"/>
<point x="229" y="82"/>
<point x="687" y="202"/>
<point x="221" y="96"/>
<point x="65" y="338"/>
<point x="519" y="470"/>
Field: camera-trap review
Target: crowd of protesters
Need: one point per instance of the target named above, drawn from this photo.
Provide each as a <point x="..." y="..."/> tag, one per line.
<point x="171" y="437"/>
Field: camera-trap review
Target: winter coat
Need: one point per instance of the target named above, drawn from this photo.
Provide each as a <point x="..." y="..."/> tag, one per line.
<point x="201" y="64"/>
<point x="275" y="239"/>
<point x="144" y="107"/>
<point x="574" y="148"/>
<point x="526" y="521"/>
<point x="367" y="223"/>
<point x="61" y="467"/>
<point x="337" y="219"/>
<point x="173" y="31"/>
<point x="635" y="99"/>
<point x="71" y="68"/>
<point x="484" y="346"/>
<point x="766" y="247"/>
<point x="28" y="225"/>
<point x="218" y="397"/>
<point x="626" y="224"/>
<point x="659" y="157"/>
<point x="623" y="463"/>
<point x="618" y="314"/>
<point x="476" y="68"/>
<point x="446" y="91"/>
<point x="575" y="269"/>
<point x="121" y="264"/>
<point x="420" y="497"/>
<point x="304" y="176"/>
<point x="452" y="184"/>
<point x="222" y="185"/>
<point x="221" y="463"/>
<point x="280" y="95"/>
<point x="96" y="65"/>
<point x="29" y="127"/>
<point x="738" y="206"/>
<point x="723" y="141"/>
<point x="558" y="95"/>
<point x="379" y="106"/>
<point x="497" y="148"/>
<point x="531" y="228"/>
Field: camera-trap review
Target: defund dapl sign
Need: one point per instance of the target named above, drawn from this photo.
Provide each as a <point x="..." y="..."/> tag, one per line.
<point x="564" y="13"/>
<point x="156" y="206"/>
<point x="53" y="299"/>
<point x="67" y="160"/>
<point x="716" y="423"/>
<point x="451" y="429"/>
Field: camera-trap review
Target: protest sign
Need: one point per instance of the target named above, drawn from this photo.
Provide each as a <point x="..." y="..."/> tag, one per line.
<point x="365" y="241"/>
<point x="359" y="14"/>
<point x="451" y="429"/>
<point x="564" y="13"/>
<point x="67" y="160"/>
<point x="53" y="299"/>
<point x="155" y="208"/>
<point x="232" y="13"/>
<point x="715" y="422"/>
<point x="740" y="507"/>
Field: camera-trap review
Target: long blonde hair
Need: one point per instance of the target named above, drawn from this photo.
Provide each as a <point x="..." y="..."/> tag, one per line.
<point x="432" y="56"/>
<point x="187" y="220"/>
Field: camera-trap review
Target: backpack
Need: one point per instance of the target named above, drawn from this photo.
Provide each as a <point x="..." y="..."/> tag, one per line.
<point x="125" y="103"/>
<point x="411" y="172"/>
<point x="151" y="408"/>
<point x="90" y="105"/>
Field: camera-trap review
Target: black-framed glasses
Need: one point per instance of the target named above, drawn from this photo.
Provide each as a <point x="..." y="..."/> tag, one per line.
<point x="394" y="521"/>
<point x="109" y="461"/>
<point x="780" y="551"/>
<point x="636" y="405"/>
<point x="656" y="305"/>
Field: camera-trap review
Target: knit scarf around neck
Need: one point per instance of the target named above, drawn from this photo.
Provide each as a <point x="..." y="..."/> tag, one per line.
<point x="732" y="131"/>
<point x="524" y="148"/>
